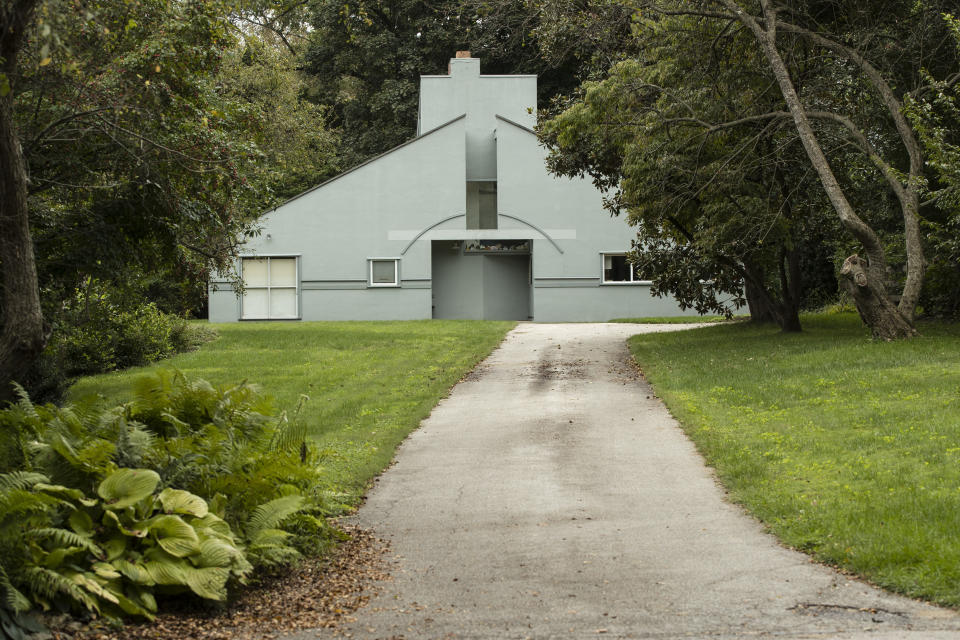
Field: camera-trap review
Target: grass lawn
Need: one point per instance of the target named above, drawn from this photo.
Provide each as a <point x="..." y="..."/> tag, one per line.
<point x="674" y="319"/>
<point x="845" y="447"/>
<point x="370" y="383"/>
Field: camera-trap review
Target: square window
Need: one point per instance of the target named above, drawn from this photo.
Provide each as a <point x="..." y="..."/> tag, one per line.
<point x="271" y="289"/>
<point x="384" y="272"/>
<point x="616" y="268"/>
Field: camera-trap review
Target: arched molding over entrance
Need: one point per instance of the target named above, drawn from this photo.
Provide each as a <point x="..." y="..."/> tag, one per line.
<point x="535" y="228"/>
<point x="543" y="233"/>
<point x="433" y="226"/>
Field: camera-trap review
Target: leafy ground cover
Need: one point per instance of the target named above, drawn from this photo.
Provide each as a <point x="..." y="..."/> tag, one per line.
<point x="369" y="383"/>
<point x="844" y="447"/>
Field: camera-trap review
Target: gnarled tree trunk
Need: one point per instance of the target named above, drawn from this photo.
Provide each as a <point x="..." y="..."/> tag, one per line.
<point x="873" y="303"/>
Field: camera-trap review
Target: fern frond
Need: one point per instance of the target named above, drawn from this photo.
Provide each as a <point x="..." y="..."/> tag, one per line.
<point x="23" y="401"/>
<point x="21" y="480"/>
<point x="49" y="584"/>
<point x="13" y="597"/>
<point x="270" y="514"/>
<point x="65" y="538"/>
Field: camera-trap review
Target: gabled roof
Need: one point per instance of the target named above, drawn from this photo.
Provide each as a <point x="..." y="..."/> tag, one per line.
<point x="366" y="162"/>
<point x="516" y="124"/>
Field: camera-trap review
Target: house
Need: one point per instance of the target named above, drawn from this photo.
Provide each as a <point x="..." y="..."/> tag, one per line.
<point x="463" y="221"/>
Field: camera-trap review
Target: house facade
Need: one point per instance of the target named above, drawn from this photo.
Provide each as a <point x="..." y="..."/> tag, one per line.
<point x="463" y="221"/>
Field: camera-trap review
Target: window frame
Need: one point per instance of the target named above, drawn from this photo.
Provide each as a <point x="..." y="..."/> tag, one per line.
<point x="632" y="271"/>
<point x="381" y="285"/>
<point x="269" y="257"/>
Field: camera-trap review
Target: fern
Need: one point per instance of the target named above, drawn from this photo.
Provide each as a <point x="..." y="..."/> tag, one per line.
<point x="65" y="538"/>
<point x="20" y="480"/>
<point x="48" y="585"/>
<point x="271" y="514"/>
<point x="13" y="598"/>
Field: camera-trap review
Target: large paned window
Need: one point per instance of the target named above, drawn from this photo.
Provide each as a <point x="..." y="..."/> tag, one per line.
<point x="618" y="270"/>
<point x="270" y="288"/>
<point x="384" y="272"/>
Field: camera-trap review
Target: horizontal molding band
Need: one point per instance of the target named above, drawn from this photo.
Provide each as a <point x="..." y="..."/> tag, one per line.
<point x="341" y="285"/>
<point x="317" y="285"/>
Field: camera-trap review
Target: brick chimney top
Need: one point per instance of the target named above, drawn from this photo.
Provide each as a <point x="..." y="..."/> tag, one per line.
<point x="463" y="58"/>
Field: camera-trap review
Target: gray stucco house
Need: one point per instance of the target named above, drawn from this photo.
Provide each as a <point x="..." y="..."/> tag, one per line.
<point x="463" y="221"/>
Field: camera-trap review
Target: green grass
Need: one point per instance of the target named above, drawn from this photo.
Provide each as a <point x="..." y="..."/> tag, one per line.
<point x="845" y="447"/>
<point x="673" y="319"/>
<point x="370" y="383"/>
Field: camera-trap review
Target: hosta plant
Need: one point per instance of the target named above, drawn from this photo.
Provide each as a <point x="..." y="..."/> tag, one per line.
<point x="115" y="551"/>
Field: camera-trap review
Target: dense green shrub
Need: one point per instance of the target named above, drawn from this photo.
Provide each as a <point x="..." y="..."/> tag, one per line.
<point x="101" y="330"/>
<point x="185" y="488"/>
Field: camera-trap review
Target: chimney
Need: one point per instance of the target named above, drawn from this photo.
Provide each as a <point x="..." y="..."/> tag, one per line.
<point x="458" y="55"/>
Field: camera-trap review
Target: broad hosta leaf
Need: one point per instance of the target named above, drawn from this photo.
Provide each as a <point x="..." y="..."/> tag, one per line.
<point x="145" y="598"/>
<point x="59" y="491"/>
<point x="114" y="548"/>
<point x="177" y="501"/>
<point x="167" y="572"/>
<point x="94" y="587"/>
<point x="81" y="523"/>
<point x="209" y="582"/>
<point x="216" y="553"/>
<point x="134" y="572"/>
<point x="105" y="570"/>
<point x="214" y="525"/>
<point x="175" y="536"/>
<point x="131" y="606"/>
<point x="126" y="487"/>
<point x="56" y="557"/>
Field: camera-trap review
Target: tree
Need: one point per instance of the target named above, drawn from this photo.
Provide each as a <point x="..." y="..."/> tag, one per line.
<point x="23" y="334"/>
<point x="125" y="151"/>
<point x="366" y="57"/>
<point x="714" y="204"/>
<point x="843" y="72"/>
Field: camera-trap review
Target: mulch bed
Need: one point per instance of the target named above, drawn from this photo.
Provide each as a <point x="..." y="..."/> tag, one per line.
<point x="318" y="593"/>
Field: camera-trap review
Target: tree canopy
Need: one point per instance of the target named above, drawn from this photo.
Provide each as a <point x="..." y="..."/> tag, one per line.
<point x="142" y="136"/>
<point x="711" y="136"/>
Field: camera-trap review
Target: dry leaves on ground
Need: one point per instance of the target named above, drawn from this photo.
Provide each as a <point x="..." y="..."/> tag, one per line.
<point x="319" y="593"/>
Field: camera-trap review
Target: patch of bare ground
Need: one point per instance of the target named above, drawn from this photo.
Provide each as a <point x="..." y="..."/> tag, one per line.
<point x="318" y="593"/>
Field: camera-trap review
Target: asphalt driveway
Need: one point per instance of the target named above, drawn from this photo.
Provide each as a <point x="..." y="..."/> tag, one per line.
<point x="551" y="495"/>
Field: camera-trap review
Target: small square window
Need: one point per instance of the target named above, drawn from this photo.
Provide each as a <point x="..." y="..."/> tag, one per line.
<point x="384" y="272"/>
<point x="618" y="269"/>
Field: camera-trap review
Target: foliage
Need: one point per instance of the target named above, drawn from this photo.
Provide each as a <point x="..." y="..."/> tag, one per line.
<point x="296" y="150"/>
<point x="101" y="330"/>
<point x="858" y="469"/>
<point x="702" y="150"/>
<point x="152" y="144"/>
<point x="365" y="58"/>
<point x="724" y="214"/>
<point x="935" y="114"/>
<point x="109" y="555"/>
<point x="194" y="487"/>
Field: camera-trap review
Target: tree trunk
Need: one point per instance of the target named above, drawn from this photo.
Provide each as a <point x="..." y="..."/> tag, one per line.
<point x="23" y="335"/>
<point x="881" y="317"/>
<point x="760" y="306"/>
<point x="873" y="304"/>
